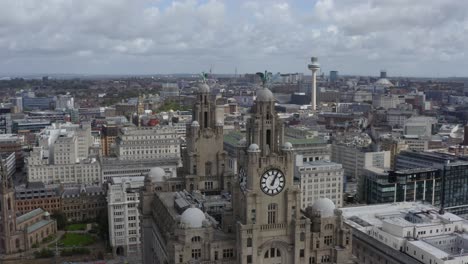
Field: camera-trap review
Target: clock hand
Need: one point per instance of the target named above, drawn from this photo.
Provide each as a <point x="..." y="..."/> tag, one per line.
<point x="274" y="180"/>
<point x="276" y="176"/>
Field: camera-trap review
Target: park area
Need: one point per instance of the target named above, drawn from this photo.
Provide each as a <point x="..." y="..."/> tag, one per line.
<point x="76" y="227"/>
<point x="76" y="240"/>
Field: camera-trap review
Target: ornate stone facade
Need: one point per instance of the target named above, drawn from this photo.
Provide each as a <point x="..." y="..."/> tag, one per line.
<point x="204" y="158"/>
<point x="263" y="221"/>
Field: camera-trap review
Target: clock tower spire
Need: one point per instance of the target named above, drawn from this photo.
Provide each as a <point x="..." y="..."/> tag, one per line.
<point x="265" y="128"/>
<point x="204" y="156"/>
<point x="266" y="200"/>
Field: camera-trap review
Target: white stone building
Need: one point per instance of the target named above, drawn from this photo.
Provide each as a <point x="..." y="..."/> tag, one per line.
<point x="63" y="102"/>
<point x="321" y="179"/>
<point x="354" y="159"/>
<point x="73" y="141"/>
<point x="387" y="101"/>
<point x="398" y="117"/>
<point x="264" y="223"/>
<point x="420" y="126"/>
<point x="86" y="171"/>
<point x="123" y="198"/>
<point x="140" y="149"/>
<point x="63" y="156"/>
<point x="407" y="233"/>
<point x="416" y="143"/>
<point x="158" y="142"/>
<point x="115" y="168"/>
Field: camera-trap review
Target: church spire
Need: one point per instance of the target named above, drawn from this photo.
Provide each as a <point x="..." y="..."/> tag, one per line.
<point x="7" y="182"/>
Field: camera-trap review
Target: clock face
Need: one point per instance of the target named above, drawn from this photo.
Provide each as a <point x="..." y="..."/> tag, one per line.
<point x="242" y="179"/>
<point x="272" y="182"/>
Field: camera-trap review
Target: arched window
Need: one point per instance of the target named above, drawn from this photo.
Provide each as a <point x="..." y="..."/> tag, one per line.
<point x="11" y="227"/>
<point x="9" y="203"/>
<point x="249" y="242"/>
<point x="302" y="236"/>
<point x="17" y="243"/>
<point x="328" y="227"/>
<point x="196" y="239"/>
<point x="272" y="212"/>
<point x="272" y="253"/>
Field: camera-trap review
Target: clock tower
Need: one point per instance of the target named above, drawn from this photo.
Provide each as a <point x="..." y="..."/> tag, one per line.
<point x="204" y="156"/>
<point x="266" y="201"/>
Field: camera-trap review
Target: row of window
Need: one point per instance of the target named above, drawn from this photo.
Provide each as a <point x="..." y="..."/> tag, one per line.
<point x="148" y="152"/>
<point x="196" y="254"/>
<point x="130" y="232"/>
<point x="331" y="197"/>
<point x="121" y="226"/>
<point x="128" y="138"/>
<point x="328" y="179"/>
<point x="312" y="192"/>
<point x="33" y="202"/>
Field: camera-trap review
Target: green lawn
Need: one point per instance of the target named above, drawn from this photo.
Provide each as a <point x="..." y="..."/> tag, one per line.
<point x="73" y="239"/>
<point x="75" y="227"/>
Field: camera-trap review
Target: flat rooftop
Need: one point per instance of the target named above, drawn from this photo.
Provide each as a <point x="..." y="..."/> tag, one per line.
<point x="320" y="164"/>
<point x="410" y="226"/>
<point x="119" y="180"/>
<point x="376" y="215"/>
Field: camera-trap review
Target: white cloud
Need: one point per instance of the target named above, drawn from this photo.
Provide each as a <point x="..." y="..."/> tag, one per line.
<point x="143" y="36"/>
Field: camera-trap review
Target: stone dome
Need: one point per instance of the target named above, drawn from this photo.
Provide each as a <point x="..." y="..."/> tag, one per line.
<point x="253" y="148"/>
<point x="195" y="123"/>
<point x="383" y="82"/>
<point x="157" y="174"/>
<point x="242" y="142"/>
<point x="264" y="95"/>
<point x="325" y="206"/>
<point x="192" y="218"/>
<point x="203" y="88"/>
<point x="287" y="146"/>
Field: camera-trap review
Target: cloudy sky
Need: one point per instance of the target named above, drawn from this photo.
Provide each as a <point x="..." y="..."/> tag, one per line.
<point x="405" y="37"/>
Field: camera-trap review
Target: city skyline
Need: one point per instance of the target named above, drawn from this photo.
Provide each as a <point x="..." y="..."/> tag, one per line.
<point x="166" y="37"/>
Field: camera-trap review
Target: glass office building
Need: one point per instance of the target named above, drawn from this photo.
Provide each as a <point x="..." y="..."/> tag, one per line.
<point x="402" y="186"/>
<point x="455" y="188"/>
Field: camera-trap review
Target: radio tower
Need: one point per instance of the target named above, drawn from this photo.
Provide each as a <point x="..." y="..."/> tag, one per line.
<point x="314" y="66"/>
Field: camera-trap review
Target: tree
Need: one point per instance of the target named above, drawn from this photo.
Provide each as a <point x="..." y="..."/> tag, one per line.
<point x="59" y="216"/>
<point x="171" y="105"/>
<point x="102" y="220"/>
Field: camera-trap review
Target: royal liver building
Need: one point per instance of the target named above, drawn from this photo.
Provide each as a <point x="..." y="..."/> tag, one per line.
<point x="254" y="217"/>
